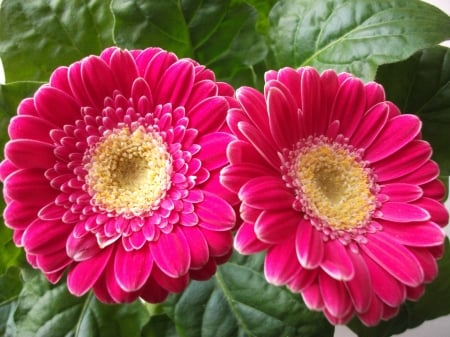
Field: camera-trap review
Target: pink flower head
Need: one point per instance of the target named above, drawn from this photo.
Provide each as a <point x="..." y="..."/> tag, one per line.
<point x="112" y="174"/>
<point x="339" y="189"/>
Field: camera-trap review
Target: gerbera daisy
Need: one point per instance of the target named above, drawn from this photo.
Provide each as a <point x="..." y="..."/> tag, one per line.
<point x="339" y="189"/>
<point x="112" y="174"/>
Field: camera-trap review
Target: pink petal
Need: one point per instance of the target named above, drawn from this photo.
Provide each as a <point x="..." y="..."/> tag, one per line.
<point x="124" y="69"/>
<point x="56" y="106"/>
<point x="140" y="89"/>
<point x="219" y="243"/>
<point x="404" y="127"/>
<point x="53" y="262"/>
<point x="239" y="152"/>
<point x="19" y="215"/>
<point x="372" y="122"/>
<point x="312" y="297"/>
<point x="198" y="246"/>
<point x="153" y="62"/>
<point x="254" y="106"/>
<point x="394" y="258"/>
<point x="335" y="296"/>
<point x="236" y="175"/>
<point x="358" y="287"/>
<point x="174" y="285"/>
<point x="27" y="108"/>
<point x="25" y="153"/>
<point x="51" y="211"/>
<point x="427" y="262"/>
<point x="6" y="168"/>
<point x="401" y="192"/>
<point x="266" y="192"/>
<point x="59" y="79"/>
<point x="406" y="160"/>
<point x="45" y="237"/>
<point x="204" y="273"/>
<point x="336" y="262"/>
<point x="17" y="186"/>
<point x="302" y="279"/>
<point x="350" y="99"/>
<point x="282" y="118"/>
<point x="246" y="241"/>
<point x="374" y="94"/>
<point x="98" y="80"/>
<point x="261" y="144"/>
<point x="419" y="234"/>
<point x="309" y="245"/>
<point x="208" y="115"/>
<point x="384" y="285"/>
<point x="291" y="80"/>
<point x="200" y="91"/>
<point x="215" y="213"/>
<point x="30" y="127"/>
<point x="434" y="189"/>
<point x="109" y="281"/>
<point x="413" y="294"/>
<point x="437" y="210"/>
<point x="330" y="85"/>
<point x="274" y="226"/>
<point x="213" y="149"/>
<point x="152" y="292"/>
<point x="279" y="265"/>
<point x="132" y="268"/>
<point x="426" y="173"/>
<point x="389" y="312"/>
<point x="84" y="275"/>
<point x="314" y="116"/>
<point x="176" y="83"/>
<point x="81" y="249"/>
<point x="374" y="314"/>
<point x="171" y="253"/>
<point x="403" y="212"/>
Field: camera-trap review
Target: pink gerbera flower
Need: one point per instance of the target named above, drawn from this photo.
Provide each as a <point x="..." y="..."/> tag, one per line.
<point x="339" y="189"/>
<point x="112" y="174"/>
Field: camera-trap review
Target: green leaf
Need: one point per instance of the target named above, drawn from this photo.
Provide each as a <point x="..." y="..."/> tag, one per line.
<point x="37" y="36"/>
<point x="46" y="311"/>
<point x="220" y="34"/>
<point x="159" y="326"/>
<point x="433" y="304"/>
<point x="421" y="85"/>
<point x="143" y="23"/>
<point x="239" y="302"/>
<point x="353" y="35"/>
<point x="10" y="285"/>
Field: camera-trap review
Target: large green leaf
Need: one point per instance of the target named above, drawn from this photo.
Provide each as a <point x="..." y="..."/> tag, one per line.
<point x="421" y="85"/>
<point x="220" y="34"/>
<point x="46" y="311"/>
<point x="238" y="301"/>
<point x="353" y="35"/>
<point x="433" y="304"/>
<point x="37" y="36"/>
<point x="150" y="23"/>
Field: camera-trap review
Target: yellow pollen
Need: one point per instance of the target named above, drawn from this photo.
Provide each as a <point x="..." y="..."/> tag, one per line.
<point x="129" y="172"/>
<point x="336" y="187"/>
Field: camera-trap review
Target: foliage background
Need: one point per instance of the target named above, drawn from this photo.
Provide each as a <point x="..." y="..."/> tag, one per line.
<point x="391" y="41"/>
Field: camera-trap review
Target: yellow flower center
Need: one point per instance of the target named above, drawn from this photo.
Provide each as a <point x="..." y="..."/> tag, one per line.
<point x="335" y="186"/>
<point x="129" y="172"/>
